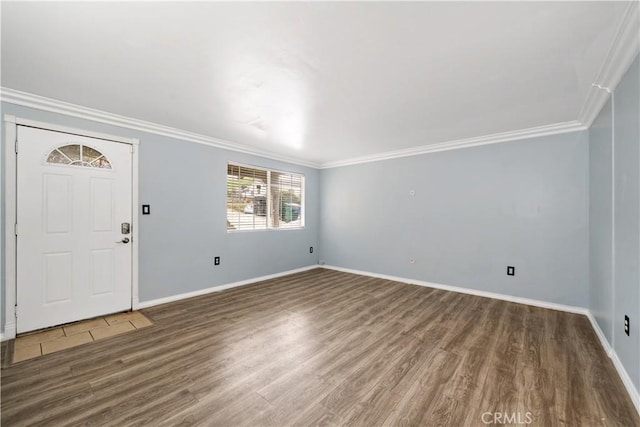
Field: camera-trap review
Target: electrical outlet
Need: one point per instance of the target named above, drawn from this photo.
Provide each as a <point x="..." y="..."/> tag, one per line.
<point x="511" y="271"/>
<point x="310" y="249"/>
<point x="626" y="324"/>
<point x="216" y="261"/>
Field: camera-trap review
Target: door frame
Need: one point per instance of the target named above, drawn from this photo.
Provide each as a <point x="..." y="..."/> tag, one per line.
<point x="11" y="124"/>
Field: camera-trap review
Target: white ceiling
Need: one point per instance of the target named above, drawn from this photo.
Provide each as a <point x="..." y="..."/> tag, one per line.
<point x="320" y="82"/>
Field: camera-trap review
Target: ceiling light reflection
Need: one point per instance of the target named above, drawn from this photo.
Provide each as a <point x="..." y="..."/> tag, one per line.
<point x="268" y="99"/>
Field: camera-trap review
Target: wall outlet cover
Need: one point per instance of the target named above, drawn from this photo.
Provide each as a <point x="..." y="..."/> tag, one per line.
<point x="626" y="325"/>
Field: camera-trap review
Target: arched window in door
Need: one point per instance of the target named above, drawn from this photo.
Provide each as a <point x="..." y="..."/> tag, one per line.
<point x="78" y="155"/>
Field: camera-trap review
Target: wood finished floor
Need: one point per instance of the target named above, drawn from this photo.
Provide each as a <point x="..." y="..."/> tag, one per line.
<point x="329" y="348"/>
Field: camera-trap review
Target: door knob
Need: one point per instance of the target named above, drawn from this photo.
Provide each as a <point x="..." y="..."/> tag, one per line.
<point x="124" y="240"/>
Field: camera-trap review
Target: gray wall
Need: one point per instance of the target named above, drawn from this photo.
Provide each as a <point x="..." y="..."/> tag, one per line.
<point x="600" y="217"/>
<point x="618" y="133"/>
<point x="185" y="184"/>
<point x="627" y="219"/>
<point x="475" y="211"/>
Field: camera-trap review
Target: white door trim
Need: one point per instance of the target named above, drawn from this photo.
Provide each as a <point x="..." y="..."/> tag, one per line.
<point x="11" y="124"/>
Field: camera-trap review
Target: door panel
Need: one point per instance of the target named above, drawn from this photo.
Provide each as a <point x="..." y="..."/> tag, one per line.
<point x="101" y="204"/>
<point x="102" y="269"/>
<point x="73" y="194"/>
<point x="57" y="203"/>
<point x="58" y="277"/>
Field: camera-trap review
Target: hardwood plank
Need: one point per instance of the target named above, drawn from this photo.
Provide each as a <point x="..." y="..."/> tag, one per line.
<point x="326" y="348"/>
<point x="415" y="407"/>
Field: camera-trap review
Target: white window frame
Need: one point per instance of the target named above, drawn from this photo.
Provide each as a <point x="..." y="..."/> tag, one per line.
<point x="268" y="171"/>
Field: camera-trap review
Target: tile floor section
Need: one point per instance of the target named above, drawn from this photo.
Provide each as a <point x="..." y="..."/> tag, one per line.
<point x="62" y="337"/>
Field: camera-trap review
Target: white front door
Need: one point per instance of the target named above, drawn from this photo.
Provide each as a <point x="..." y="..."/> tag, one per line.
<point x="73" y="249"/>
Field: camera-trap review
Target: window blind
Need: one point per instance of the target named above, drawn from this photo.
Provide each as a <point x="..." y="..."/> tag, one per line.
<point x="261" y="199"/>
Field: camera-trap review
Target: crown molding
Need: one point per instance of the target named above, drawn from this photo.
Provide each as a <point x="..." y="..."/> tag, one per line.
<point x="621" y="53"/>
<point x="26" y="99"/>
<point x="555" y="129"/>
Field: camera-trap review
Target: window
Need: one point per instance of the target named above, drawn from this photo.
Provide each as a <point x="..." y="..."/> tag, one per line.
<point x="78" y="155"/>
<point x="261" y="199"/>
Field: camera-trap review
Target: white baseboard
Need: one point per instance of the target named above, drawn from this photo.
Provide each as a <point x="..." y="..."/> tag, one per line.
<point x="9" y="332"/>
<point x="600" y="334"/>
<point x="626" y="379"/>
<point x="622" y="372"/>
<point x="503" y="297"/>
<point x="10" y="328"/>
<point x="624" y="376"/>
<point x="172" y="298"/>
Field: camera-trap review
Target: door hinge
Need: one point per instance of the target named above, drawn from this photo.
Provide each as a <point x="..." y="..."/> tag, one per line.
<point x="16" y="228"/>
<point x="16" y="145"/>
<point x="15" y="310"/>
